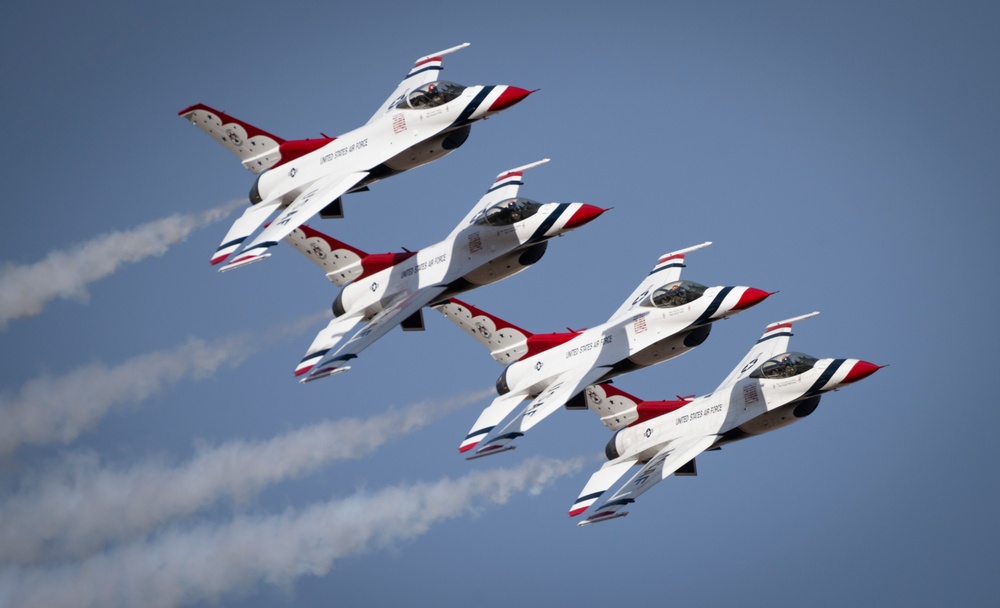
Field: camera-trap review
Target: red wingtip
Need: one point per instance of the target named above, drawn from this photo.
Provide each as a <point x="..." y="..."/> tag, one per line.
<point x="465" y="448"/>
<point x="751" y="297"/>
<point x="861" y="370"/>
<point x="510" y="96"/>
<point x="576" y="512"/>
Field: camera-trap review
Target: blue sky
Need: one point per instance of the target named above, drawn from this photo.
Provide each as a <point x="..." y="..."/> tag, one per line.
<point x="842" y="154"/>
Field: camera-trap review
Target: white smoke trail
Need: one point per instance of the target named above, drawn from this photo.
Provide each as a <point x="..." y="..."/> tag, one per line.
<point x="72" y="512"/>
<point x="208" y="561"/>
<point x="24" y="290"/>
<point x="49" y="408"/>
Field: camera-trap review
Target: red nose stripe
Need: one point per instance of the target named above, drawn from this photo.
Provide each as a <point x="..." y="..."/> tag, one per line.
<point x="583" y="215"/>
<point x="509" y="97"/>
<point x="861" y="369"/>
<point x="751" y="297"/>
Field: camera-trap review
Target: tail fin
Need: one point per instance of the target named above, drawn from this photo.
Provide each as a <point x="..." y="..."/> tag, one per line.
<point x="341" y="262"/>
<point x="257" y="149"/>
<point x="619" y="409"/>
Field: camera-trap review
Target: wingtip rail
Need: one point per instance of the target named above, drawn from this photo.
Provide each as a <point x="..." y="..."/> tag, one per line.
<point x="688" y="249"/>
<point x="244" y="262"/>
<point x="323" y="374"/>
<point x="444" y="52"/>
<point x="528" y="166"/>
<point x="596" y="519"/>
<point x="489" y="451"/>
<point x="794" y="319"/>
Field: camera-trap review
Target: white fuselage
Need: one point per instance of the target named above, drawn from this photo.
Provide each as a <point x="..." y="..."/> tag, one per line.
<point x="397" y="136"/>
<point x="472" y="255"/>
<point x="751" y="406"/>
<point x="645" y="335"/>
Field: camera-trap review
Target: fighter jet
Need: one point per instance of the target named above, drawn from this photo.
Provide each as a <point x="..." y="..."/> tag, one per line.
<point x="501" y="236"/>
<point x="421" y="121"/>
<point x="663" y="318"/>
<point x="770" y="388"/>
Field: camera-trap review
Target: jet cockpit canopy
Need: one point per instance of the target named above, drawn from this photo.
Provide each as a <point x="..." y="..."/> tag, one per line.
<point x="430" y="95"/>
<point x="785" y="365"/>
<point x="507" y="212"/>
<point x="676" y="294"/>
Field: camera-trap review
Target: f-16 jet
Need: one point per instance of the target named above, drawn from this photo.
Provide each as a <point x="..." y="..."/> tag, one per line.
<point x="501" y="236"/>
<point x="421" y="121"/>
<point x="770" y="388"/>
<point x="663" y="318"/>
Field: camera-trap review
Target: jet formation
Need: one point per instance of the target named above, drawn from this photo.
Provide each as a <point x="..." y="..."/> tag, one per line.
<point x="426" y="118"/>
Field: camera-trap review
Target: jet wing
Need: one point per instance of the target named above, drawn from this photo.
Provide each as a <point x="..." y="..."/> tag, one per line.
<point x="426" y="69"/>
<point x="345" y="337"/>
<point x="673" y="456"/>
<point x="667" y="269"/>
<point x="772" y="343"/>
<point x="561" y="390"/>
<point x="312" y="200"/>
<point x="505" y="186"/>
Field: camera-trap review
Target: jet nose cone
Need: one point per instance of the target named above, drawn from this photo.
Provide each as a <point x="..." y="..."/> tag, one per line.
<point x="509" y="97"/>
<point x="861" y="370"/>
<point x="751" y="297"/>
<point x="583" y="215"/>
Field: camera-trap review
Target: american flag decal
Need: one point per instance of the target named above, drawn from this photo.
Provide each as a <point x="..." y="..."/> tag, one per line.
<point x="475" y="243"/>
<point x="398" y="123"/>
<point x="639" y="324"/>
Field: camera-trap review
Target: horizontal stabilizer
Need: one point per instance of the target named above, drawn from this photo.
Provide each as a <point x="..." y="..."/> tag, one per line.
<point x="598" y="484"/>
<point x="253" y="218"/>
<point x="257" y="149"/>
<point x="505" y="341"/>
<point x="490" y="417"/>
<point x="616" y="408"/>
